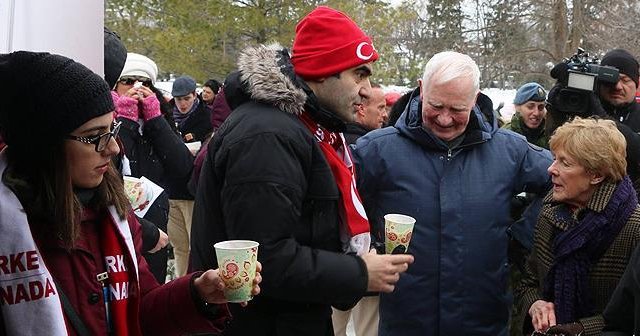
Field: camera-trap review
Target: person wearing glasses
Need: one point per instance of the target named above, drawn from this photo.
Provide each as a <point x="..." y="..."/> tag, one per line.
<point x="70" y="258"/>
<point x="586" y="232"/>
<point x="152" y="148"/>
<point x="528" y="120"/>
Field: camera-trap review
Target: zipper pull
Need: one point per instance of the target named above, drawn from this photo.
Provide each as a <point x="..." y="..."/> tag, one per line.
<point x="102" y="279"/>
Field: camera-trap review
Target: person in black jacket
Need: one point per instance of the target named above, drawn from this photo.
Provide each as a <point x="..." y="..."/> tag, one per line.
<point x="152" y="148"/>
<point x="278" y="172"/>
<point x="619" y="99"/>
<point x="622" y="314"/>
<point x="190" y="111"/>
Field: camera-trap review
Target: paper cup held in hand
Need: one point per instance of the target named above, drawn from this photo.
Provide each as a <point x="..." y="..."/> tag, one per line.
<point x="397" y="233"/>
<point x="237" y="268"/>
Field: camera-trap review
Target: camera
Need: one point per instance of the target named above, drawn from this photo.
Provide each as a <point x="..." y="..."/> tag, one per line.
<point x="580" y="76"/>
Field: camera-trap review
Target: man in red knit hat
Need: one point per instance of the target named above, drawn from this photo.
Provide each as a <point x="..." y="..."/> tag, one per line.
<point x="278" y="172"/>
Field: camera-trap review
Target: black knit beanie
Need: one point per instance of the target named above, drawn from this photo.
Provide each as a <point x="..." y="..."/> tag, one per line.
<point x="44" y="97"/>
<point x="624" y="62"/>
<point x="115" y="55"/>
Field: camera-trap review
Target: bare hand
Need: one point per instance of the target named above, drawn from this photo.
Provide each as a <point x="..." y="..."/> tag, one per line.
<point x="132" y="93"/>
<point x="145" y="92"/>
<point x="211" y="288"/>
<point x="543" y="315"/>
<point x="163" y="240"/>
<point x="384" y="270"/>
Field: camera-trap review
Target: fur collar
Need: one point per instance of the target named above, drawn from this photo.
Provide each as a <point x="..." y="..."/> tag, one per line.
<point x="268" y="73"/>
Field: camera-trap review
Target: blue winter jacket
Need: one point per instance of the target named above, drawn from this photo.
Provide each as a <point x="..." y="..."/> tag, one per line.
<point x="460" y="198"/>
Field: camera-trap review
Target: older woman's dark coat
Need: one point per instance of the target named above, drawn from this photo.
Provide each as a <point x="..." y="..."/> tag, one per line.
<point x="604" y="275"/>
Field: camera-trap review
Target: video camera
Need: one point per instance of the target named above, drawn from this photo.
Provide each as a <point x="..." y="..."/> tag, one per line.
<point x="580" y="75"/>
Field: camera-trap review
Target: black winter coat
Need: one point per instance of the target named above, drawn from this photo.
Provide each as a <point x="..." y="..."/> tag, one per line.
<point x="266" y="179"/>
<point x="157" y="154"/>
<point x="352" y="132"/>
<point x="628" y="114"/>
<point x="198" y="123"/>
<point x="622" y="315"/>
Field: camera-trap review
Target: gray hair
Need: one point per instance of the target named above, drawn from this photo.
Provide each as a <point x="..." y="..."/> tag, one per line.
<point x="449" y="65"/>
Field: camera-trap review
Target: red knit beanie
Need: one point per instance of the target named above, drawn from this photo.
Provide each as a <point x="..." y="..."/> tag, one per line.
<point x="328" y="42"/>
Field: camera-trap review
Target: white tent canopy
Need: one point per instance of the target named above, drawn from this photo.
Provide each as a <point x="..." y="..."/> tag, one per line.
<point x="73" y="28"/>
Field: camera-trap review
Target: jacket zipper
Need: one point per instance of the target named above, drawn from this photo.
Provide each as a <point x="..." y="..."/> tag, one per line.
<point x="450" y="150"/>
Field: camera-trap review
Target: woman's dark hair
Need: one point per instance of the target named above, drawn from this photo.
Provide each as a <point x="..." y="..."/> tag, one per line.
<point x="43" y="184"/>
<point x="213" y="84"/>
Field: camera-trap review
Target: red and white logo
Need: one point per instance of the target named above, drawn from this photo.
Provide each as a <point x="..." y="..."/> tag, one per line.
<point x="365" y="48"/>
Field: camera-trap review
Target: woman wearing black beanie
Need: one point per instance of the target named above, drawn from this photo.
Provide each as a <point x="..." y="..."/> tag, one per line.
<point x="70" y="260"/>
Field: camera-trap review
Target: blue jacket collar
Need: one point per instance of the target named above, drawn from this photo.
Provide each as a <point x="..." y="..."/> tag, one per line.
<point x="482" y="123"/>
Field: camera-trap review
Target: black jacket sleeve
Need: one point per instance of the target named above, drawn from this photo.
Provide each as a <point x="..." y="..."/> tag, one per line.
<point x="175" y="156"/>
<point x="625" y="301"/>
<point x="198" y="123"/>
<point x="150" y="234"/>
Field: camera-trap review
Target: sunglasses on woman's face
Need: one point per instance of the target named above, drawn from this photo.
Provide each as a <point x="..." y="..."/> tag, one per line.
<point x="130" y="80"/>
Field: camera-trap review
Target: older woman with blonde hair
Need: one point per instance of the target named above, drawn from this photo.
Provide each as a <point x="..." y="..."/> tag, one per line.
<point x="587" y="230"/>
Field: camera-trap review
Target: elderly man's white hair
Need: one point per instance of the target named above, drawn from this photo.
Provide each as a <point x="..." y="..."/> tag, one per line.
<point x="448" y="65"/>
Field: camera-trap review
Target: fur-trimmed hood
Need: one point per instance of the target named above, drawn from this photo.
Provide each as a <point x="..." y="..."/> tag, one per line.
<point x="266" y="75"/>
<point x="261" y="70"/>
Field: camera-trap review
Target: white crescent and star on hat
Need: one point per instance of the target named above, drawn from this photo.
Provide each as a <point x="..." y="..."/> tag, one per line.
<point x="359" y="51"/>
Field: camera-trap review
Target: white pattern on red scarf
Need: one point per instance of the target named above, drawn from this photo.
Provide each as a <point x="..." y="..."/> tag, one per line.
<point x="354" y="220"/>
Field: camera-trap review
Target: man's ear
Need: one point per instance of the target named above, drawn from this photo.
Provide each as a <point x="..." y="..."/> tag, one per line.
<point x="360" y="111"/>
<point x="420" y="86"/>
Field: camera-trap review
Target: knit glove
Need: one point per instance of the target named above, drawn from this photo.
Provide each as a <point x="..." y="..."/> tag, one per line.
<point x="150" y="108"/>
<point x="126" y="107"/>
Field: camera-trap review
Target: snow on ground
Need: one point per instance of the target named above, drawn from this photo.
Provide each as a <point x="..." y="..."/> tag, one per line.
<point x="502" y="96"/>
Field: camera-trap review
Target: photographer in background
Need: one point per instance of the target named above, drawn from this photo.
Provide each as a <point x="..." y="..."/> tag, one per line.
<point x="618" y="99"/>
<point x="570" y="98"/>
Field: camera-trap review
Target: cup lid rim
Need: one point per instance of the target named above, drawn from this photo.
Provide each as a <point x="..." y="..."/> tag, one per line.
<point x="403" y="219"/>
<point x="248" y="244"/>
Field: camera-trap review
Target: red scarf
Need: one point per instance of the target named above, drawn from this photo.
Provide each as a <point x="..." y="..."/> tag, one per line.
<point x="353" y="217"/>
<point x="121" y="306"/>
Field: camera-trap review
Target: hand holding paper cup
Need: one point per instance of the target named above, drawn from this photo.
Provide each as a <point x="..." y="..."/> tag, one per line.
<point x="397" y="233"/>
<point x="237" y="268"/>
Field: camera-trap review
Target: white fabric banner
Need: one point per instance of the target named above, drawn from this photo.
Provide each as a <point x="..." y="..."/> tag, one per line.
<point x="73" y="28"/>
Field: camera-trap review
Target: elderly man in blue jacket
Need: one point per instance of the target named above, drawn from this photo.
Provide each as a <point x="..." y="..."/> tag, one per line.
<point x="447" y="164"/>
